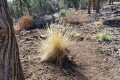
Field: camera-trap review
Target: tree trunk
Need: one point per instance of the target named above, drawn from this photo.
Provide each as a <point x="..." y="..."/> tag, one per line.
<point x="21" y="9"/>
<point x="10" y="66"/>
<point x="98" y="6"/>
<point x="89" y="7"/>
<point x="94" y="6"/>
<point x="110" y="2"/>
<point x="29" y="10"/>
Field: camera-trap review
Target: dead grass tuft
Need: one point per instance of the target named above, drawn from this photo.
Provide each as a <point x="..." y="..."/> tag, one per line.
<point x="73" y="17"/>
<point x="25" y="22"/>
<point x="97" y="23"/>
<point x="55" y="47"/>
<point x="16" y="29"/>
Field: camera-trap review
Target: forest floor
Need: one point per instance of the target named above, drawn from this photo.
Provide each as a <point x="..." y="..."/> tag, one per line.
<point x="89" y="61"/>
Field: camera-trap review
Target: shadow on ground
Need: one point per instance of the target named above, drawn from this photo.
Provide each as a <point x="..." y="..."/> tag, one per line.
<point x="66" y="70"/>
<point x="70" y="68"/>
<point x="112" y="23"/>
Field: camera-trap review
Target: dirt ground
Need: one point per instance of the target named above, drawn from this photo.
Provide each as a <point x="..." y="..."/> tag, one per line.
<point x="87" y="60"/>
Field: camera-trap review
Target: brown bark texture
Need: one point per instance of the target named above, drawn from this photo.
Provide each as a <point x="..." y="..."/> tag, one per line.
<point x="10" y="66"/>
<point x="89" y="7"/>
<point x="98" y="6"/>
<point x="110" y="1"/>
<point x="21" y="9"/>
<point x="94" y="6"/>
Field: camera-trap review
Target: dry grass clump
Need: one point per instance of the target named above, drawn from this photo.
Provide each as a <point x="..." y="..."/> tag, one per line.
<point x="98" y="23"/>
<point x="25" y="22"/>
<point x="75" y="18"/>
<point x="77" y="36"/>
<point x="16" y="29"/>
<point x="55" y="47"/>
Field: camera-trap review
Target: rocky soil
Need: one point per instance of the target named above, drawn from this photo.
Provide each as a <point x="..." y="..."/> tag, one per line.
<point x="90" y="60"/>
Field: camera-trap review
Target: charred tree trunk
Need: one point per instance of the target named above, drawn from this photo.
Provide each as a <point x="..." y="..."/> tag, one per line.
<point x="98" y="6"/>
<point x="29" y="10"/>
<point x="89" y="7"/>
<point x="21" y="9"/>
<point x="110" y="1"/>
<point x="10" y="66"/>
<point x="94" y="6"/>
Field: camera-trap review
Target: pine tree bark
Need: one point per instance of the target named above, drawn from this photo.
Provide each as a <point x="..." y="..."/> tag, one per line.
<point x="21" y="9"/>
<point x="89" y="7"/>
<point x="98" y="6"/>
<point x="10" y="66"/>
<point x="94" y="6"/>
<point x="110" y="1"/>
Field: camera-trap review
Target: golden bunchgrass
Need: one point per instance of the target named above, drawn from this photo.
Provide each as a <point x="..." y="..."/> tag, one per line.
<point x="98" y="23"/>
<point x="55" y="47"/>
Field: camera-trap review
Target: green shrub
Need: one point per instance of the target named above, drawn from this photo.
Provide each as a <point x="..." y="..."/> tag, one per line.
<point x="82" y="36"/>
<point x="107" y="36"/>
<point x="34" y="75"/>
<point x="62" y="13"/>
<point x="53" y="18"/>
<point x="102" y="20"/>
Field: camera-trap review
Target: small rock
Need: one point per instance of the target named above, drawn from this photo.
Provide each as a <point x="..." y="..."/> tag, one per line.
<point x="43" y="36"/>
<point x="106" y="60"/>
<point x="27" y="39"/>
<point x="35" y="36"/>
<point x="119" y="52"/>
